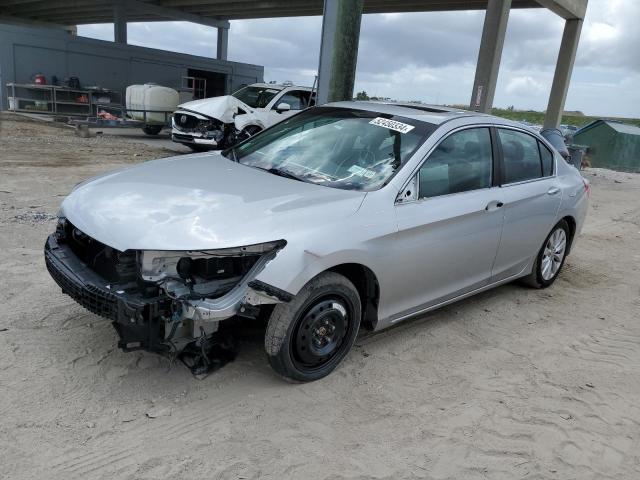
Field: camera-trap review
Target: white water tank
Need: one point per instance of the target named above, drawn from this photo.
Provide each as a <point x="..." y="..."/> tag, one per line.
<point x="151" y="97"/>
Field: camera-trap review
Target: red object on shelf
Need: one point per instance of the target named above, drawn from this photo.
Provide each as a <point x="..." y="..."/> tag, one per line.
<point x="40" y="79"/>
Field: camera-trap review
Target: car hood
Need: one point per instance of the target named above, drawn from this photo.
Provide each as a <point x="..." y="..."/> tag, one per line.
<point x="201" y="202"/>
<point x="222" y="108"/>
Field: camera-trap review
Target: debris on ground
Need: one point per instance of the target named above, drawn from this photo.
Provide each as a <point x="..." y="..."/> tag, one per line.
<point x="34" y="218"/>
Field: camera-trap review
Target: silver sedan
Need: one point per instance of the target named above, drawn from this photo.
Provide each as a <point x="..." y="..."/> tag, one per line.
<point x="347" y="216"/>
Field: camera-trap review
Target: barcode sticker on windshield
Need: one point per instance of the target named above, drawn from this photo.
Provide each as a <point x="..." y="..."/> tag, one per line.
<point x="362" y="172"/>
<point x="392" y="125"/>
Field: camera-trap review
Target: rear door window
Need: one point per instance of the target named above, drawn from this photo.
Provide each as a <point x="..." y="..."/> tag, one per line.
<point x="521" y="156"/>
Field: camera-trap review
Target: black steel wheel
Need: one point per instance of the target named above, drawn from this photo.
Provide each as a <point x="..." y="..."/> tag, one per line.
<point x="320" y="333"/>
<point x="307" y="338"/>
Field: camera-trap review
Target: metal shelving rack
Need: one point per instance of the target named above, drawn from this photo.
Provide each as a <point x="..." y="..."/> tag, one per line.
<point x="50" y="99"/>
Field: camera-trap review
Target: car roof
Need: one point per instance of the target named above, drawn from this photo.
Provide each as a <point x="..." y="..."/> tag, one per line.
<point x="278" y="86"/>
<point x="434" y="114"/>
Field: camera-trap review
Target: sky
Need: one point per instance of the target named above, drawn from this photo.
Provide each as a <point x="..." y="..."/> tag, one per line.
<point x="431" y="56"/>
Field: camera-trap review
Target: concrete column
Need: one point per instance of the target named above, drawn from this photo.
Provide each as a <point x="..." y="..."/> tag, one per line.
<point x="223" y="43"/>
<point x="119" y="22"/>
<point x="562" y="76"/>
<point x="493" y="32"/>
<point x="339" y="50"/>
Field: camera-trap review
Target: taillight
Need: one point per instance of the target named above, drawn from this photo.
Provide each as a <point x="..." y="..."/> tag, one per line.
<point x="587" y="186"/>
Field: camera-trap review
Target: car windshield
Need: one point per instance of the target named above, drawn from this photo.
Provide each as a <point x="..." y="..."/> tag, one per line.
<point x="256" y="97"/>
<point x="336" y="147"/>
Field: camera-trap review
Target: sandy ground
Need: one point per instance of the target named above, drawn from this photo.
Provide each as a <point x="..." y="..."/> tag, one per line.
<point x="513" y="383"/>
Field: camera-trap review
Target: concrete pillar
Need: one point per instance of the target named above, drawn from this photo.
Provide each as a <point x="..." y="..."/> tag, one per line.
<point x="562" y="76"/>
<point x="119" y="22"/>
<point x="339" y="50"/>
<point x="493" y="32"/>
<point x="223" y="43"/>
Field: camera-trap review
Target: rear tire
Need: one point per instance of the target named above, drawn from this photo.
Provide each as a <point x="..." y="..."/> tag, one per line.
<point x="551" y="257"/>
<point x="307" y="338"/>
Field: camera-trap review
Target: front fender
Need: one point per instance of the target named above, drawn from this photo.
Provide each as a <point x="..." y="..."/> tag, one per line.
<point x="308" y="264"/>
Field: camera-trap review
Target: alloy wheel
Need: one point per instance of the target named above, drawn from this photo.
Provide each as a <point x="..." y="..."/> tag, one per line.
<point x="553" y="254"/>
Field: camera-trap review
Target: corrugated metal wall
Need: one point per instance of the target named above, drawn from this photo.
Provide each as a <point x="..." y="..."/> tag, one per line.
<point x="25" y="51"/>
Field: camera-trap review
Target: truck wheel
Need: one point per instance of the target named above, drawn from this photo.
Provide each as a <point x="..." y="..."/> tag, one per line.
<point x="152" y="129"/>
<point x="307" y="338"/>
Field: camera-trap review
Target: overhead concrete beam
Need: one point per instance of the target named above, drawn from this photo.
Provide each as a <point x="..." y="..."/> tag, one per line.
<point x="489" y="55"/>
<point x="562" y="75"/>
<point x="566" y="8"/>
<point x="72" y="29"/>
<point x="175" y="14"/>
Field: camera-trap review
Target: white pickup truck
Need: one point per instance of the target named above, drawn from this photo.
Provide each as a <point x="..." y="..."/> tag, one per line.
<point x="221" y="122"/>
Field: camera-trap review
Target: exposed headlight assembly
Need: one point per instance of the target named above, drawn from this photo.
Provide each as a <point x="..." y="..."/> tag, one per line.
<point x="199" y="266"/>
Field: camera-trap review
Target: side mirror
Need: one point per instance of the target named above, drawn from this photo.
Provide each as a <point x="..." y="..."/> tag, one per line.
<point x="283" y="107"/>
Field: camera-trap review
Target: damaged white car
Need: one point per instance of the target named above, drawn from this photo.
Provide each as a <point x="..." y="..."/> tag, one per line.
<point x="221" y="122"/>
<point x="344" y="215"/>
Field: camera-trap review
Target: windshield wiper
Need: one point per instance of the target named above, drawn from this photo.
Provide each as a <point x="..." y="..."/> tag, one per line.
<point x="285" y="173"/>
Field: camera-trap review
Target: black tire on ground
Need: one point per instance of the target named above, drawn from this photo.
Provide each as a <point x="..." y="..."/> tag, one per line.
<point x="535" y="278"/>
<point x="307" y="338"/>
<point x="152" y="129"/>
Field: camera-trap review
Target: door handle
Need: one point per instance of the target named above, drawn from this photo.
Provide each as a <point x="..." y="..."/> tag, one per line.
<point x="494" y="205"/>
<point x="553" y="191"/>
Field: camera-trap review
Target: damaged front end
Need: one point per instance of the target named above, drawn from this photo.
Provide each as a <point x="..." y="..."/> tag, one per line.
<point x="195" y="129"/>
<point x="169" y="302"/>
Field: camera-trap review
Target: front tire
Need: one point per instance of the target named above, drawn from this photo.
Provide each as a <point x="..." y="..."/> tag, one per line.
<point x="550" y="258"/>
<point x="152" y="129"/>
<point x="307" y="338"/>
<point x="247" y="132"/>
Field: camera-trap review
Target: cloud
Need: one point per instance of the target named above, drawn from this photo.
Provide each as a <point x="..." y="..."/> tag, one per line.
<point x="432" y="56"/>
<point x="526" y="86"/>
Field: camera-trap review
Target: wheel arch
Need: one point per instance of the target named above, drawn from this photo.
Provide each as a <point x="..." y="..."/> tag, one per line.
<point x="572" y="230"/>
<point x="366" y="282"/>
<point x="248" y="120"/>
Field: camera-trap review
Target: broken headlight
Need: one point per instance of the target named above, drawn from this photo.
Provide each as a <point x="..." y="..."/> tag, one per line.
<point x="208" y="273"/>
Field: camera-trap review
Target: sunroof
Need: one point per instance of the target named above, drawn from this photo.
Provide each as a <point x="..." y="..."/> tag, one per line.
<point x="426" y="108"/>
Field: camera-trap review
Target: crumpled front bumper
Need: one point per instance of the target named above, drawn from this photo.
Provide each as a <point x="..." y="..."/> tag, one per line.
<point x="150" y="323"/>
<point x="137" y="319"/>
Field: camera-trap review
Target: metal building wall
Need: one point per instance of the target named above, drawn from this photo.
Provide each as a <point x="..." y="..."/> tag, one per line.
<point x="25" y="51"/>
